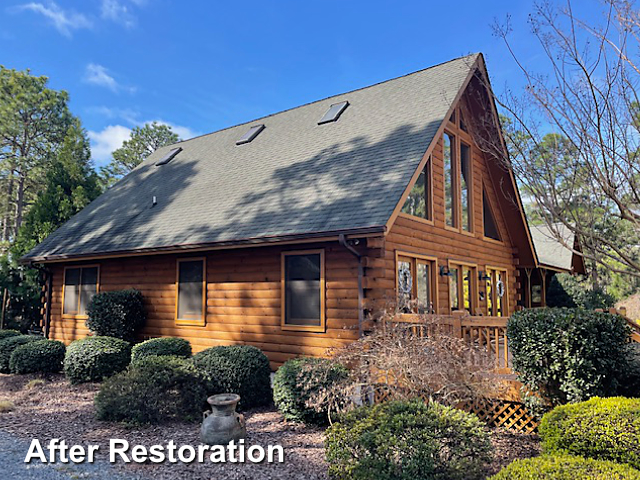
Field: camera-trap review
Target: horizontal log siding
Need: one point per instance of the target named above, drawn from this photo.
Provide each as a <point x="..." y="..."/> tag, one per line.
<point x="243" y="300"/>
<point x="447" y="245"/>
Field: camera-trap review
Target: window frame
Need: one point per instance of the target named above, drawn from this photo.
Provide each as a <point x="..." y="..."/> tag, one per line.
<point x="64" y="279"/>
<point x="505" y="299"/>
<point x="428" y="169"/>
<point x="473" y="299"/>
<point x="493" y="214"/>
<point x="470" y="190"/>
<point x="322" y="328"/>
<point x="414" y="258"/>
<point x="189" y="321"/>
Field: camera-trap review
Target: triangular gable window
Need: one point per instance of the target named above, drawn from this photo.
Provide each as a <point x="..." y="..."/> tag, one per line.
<point x="490" y="225"/>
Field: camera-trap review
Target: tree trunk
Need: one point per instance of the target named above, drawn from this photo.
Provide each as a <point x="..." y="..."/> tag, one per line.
<point x="19" y="203"/>
<point x="7" y="217"/>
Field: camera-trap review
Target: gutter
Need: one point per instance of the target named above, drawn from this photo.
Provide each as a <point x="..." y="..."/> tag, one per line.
<point x="343" y="241"/>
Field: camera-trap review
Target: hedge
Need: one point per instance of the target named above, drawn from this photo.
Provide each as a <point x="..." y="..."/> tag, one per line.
<point x="297" y="380"/>
<point x="93" y="359"/>
<point x="43" y="356"/>
<point x="8" y="333"/>
<point x="568" y="355"/>
<point x="601" y="428"/>
<point x="241" y="369"/>
<point x="155" y="389"/>
<point x="566" y="468"/>
<point x="9" y="344"/>
<point x="174" y="346"/>
<point x="116" y="314"/>
<point x="408" y="441"/>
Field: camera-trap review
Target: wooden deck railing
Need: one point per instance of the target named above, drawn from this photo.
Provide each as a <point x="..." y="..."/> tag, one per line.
<point x="488" y="332"/>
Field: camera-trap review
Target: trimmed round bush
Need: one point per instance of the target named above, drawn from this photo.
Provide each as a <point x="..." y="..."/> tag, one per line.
<point x="297" y="380"/>
<point x="566" y="468"/>
<point x="93" y="359"/>
<point x="116" y="314"/>
<point x="9" y="344"/>
<point x="43" y="356"/>
<point x="569" y="355"/>
<point x="174" y="346"/>
<point x="241" y="369"/>
<point x="601" y="428"/>
<point x="153" y="390"/>
<point x="8" y="333"/>
<point x="409" y="441"/>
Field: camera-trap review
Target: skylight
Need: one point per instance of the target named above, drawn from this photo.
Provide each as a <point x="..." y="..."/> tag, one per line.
<point x="169" y="156"/>
<point x="250" y="135"/>
<point x="334" y="112"/>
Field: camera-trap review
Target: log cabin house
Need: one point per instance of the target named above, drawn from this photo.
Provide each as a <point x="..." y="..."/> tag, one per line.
<point x="287" y="232"/>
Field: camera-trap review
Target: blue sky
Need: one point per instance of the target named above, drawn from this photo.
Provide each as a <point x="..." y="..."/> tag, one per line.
<point x="205" y="65"/>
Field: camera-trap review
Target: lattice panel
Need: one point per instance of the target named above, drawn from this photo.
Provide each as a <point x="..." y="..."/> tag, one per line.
<point x="506" y="414"/>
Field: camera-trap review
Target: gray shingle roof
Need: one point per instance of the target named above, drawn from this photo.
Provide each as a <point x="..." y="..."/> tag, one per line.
<point x="551" y="251"/>
<point x="295" y="178"/>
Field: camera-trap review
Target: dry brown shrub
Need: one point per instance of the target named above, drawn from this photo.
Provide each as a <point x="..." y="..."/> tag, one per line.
<point x="400" y="361"/>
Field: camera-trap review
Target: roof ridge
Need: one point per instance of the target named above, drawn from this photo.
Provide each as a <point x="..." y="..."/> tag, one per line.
<point x="476" y="54"/>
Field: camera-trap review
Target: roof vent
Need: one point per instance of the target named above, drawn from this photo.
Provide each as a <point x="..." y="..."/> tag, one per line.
<point x="250" y="135"/>
<point x="169" y="156"/>
<point x="334" y="112"/>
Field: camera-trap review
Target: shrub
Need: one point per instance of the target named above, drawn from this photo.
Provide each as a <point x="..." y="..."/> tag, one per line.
<point x="8" y="333"/>
<point x="177" y="347"/>
<point x="566" y="468"/>
<point x="568" y="355"/>
<point x="297" y="381"/>
<point x="94" y="358"/>
<point x="153" y="390"/>
<point x="601" y="428"/>
<point x="407" y="440"/>
<point x="45" y="356"/>
<point x="240" y="369"/>
<point x="116" y="314"/>
<point x="9" y="344"/>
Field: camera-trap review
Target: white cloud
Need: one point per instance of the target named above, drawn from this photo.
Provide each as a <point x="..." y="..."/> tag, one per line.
<point x="118" y="12"/>
<point x="106" y="141"/>
<point x="64" y="21"/>
<point x="99" y="75"/>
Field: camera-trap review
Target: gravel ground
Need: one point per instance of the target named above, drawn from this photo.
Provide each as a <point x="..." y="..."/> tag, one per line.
<point x="57" y="410"/>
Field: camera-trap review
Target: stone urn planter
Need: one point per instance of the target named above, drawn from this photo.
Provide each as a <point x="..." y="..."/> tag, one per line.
<point x="222" y="424"/>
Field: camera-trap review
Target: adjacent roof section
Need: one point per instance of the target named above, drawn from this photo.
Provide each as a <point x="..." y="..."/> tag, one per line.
<point x="297" y="178"/>
<point x="553" y="252"/>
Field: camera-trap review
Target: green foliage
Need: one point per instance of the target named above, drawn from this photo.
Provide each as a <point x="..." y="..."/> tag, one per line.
<point x="153" y="390"/>
<point x="143" y="142"/>
<point x="43" y="356"/>
<point x="116" y="314"/>
<point x="407" y="440"/>
<point x="601" y="428"/>
<point x="241" y="369"/>
<point x="173" y="346"/>
<point x="93" y="359"/>
<point x="8" y="333"/>
<point x="570" y="291"/>
<point x="9" y="344"/>
<point x="568" y="355"/>
<point x="297" y="380"/>
<point x="566" y="468"/>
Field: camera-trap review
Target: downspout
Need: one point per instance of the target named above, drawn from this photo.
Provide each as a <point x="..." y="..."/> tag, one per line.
<point x="343" y="241"/>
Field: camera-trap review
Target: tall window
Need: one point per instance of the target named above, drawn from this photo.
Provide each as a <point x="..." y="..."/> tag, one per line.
<point x="416" y="284"/>
<point x="490" y="226"/>
<point x="449" y="181"/>
<point x="465" y="186"/>
<point x="80" y="285"/>
<point x="418" y="202"/>
<point x="303" y="290"/>
<point x="462" y="287"/>
<point x="496" y="292"/>
<point x="191" y="292"/>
